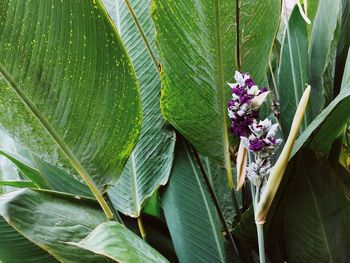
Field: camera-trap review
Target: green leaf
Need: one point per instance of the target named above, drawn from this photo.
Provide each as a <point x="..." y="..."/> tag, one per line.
<point x="14" y="248"/>
<point x="8" y="172"/>
<point x="323" y="130"/>
<point x="49" y="219"/>
<point x="115" y="241"/>
<point x="197" y="49"/>
<point x="317" y="216"/>
<point x="190" y="214"/>
<point x="312" y="6"/>
<point x="45" y="175"/>
<point x="345" y="84"/>
<point x="58" y="180"/>
<point x="341" y="70"/>
<point x="158" y="235"/>
<point x="216" y="175"/>
<point x="153" y="205"/>
<point x="324" y="37"/>
<point x="149" y="164"/>
<point x="26" y="168"/>
<point x="18" y="184"/>
<point x="65" y="61"/>
<point x="293" y="71"/>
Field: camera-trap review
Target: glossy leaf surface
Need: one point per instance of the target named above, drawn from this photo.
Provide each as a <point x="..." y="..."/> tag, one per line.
<point x="149" y="164"/>
<point x="15" y="248"/>
<point x="197" y="49"/>
<point x="49" y="219"/>
<point x="69" y="67"/>
<point x="115" y="241"/>
<point x="293" y="71"/>
<point x="324" y="37"/>
<point x="190" y="214"/>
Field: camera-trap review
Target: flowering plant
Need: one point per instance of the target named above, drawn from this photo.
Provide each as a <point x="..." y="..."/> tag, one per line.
<point x="259" y="141"/>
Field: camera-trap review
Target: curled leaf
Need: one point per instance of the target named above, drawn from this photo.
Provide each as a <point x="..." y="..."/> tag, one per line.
<point x="242" y="158"/>
<point x="282" y="162"/>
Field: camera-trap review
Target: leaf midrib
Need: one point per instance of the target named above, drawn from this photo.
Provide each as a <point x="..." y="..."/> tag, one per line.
<point x="46" y="125"/>
<point x="134" y="188"/>
<point x="222" y="97"/>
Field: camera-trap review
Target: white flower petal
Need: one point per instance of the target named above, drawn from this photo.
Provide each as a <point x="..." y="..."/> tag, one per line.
<point x="232" y="85"/>
<point x="254" y="90"/>
<point x="272" y="131"/>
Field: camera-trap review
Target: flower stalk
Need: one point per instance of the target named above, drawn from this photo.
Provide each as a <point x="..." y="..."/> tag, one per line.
<point x="259" y="142"/>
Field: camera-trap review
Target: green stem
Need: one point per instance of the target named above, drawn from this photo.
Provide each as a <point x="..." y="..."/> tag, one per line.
<point x="116" y="215"/>
<point x="259" y="227"/>
<point x="261" y="242"/>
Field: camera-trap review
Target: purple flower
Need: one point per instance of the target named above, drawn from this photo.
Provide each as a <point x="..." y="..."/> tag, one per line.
<point x="249" y="82"/>
<point x="256" y="145"/>
<point x="240" y="108"/>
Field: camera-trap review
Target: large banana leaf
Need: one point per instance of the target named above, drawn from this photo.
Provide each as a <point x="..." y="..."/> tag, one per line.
<point x="345" y="84"/>
<point x="50" y="219"/>
<point x="14" y="248"/>
<point x="65" y="61"/>
<point x="197" y="44"/>
<point x="149" y="164"/>
<point x="190" y="214"/>
<point x="115" y="241"/>
<point x="293" y="71"/>
<point x="323" y="43"/>
<point x="317" y="215"/>
<point x="217" y="177"/>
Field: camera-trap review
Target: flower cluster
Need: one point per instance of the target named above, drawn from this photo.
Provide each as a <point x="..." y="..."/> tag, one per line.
<point x="258" y="137"/>
<point x="262" y="143"/>
<point x="241" y="108"/>
<point x="262" y="139"/>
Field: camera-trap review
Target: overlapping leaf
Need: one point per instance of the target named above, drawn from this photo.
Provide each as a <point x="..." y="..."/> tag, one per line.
<point x="197" y="49"/>
<point x="66" y="62"/>
<point x="115" y="241"/>
<point x="317" y="213"/>
<point x="326" y="127"/>
<point x="190" y="214"/>
<point x="51" y="219"/>
<point x="15" y="248"/>
<point x="293" y="71"/>
<point x="323" y="43"/>
<point x="149" y="164"/>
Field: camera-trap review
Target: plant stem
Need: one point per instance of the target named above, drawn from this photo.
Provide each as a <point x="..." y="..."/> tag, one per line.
<point x="141" y="227"/>
<point x="261" y="242"/>
<point x="116" y="215"/>
<point x="259" y="227"/>
<point x="214" y="197"/>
